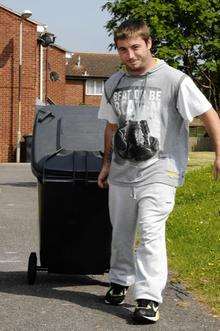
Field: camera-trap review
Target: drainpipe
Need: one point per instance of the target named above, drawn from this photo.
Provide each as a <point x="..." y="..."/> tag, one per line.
<point x="41" y="71"/>
<point x="46" y="75"/>
<point x="25" y="14"/>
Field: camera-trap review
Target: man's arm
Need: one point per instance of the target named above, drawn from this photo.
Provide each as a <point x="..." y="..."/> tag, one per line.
<point x="109" y="132"/>
<point x="211" y="122"/>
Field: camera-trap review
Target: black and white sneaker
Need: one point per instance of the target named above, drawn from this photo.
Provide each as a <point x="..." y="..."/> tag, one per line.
<point x="147" y="311"/>
<point x="116" y="294"/>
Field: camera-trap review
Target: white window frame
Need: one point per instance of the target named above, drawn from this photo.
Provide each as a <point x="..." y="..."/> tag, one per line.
<point x="94" y="81"/>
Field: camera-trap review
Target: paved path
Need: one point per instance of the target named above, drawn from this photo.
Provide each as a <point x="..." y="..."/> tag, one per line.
<point x="59" y="302"/>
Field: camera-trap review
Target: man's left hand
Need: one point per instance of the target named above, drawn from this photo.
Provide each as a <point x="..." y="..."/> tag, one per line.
<point x="216" y="168"/>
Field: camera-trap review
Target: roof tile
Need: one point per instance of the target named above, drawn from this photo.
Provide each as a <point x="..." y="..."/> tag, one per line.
<point x="92" y="64"/>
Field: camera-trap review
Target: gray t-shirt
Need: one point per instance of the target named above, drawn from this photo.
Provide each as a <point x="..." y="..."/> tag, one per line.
<point x="167" y="100"/>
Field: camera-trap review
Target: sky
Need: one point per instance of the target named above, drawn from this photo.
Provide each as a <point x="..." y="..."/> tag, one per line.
<point x="77" y="24"/>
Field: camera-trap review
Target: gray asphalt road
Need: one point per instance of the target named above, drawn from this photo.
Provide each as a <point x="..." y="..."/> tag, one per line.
<point x="59" y="302"/>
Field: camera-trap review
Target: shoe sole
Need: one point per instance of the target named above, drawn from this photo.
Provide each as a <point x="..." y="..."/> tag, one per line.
<point x="114" y="304"/>
<point x="141" y="319"/>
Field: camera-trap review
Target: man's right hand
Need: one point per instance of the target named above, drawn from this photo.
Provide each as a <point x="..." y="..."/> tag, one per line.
<point x="109" y="131"/>
<point x="102" y="178"/>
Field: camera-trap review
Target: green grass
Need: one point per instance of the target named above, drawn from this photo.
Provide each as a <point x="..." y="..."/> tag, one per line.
<point x="193" y="240"/>
<point x="198" y="159"/>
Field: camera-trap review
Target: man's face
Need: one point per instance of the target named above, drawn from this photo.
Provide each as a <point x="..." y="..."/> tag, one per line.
<point x="135" y="54"/>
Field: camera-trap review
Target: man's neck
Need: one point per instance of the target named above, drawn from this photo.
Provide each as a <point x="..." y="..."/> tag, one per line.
<point x="142" y="71"/>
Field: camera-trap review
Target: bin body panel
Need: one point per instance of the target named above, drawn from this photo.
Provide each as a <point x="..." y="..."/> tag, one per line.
<point x="75" y="228"/>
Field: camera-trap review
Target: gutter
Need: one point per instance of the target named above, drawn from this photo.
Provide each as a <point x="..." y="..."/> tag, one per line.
<point x="70" y="77"/>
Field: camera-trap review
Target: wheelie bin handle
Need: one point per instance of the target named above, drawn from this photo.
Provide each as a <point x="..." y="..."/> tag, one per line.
<point x="48" y="158"/>
<point x="86" y="179"/>
<point x="50" y="114"/>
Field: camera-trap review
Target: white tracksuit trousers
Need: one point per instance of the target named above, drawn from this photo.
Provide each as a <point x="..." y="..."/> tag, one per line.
<point x="148" y="206"/>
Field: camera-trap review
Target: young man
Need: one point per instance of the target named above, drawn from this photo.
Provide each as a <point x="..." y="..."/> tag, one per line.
<point x="148" y="109"/>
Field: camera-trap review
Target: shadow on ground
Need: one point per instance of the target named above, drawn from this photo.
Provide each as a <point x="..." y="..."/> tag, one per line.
<point x="52" y="286"/>
<point x="20" y="184"/>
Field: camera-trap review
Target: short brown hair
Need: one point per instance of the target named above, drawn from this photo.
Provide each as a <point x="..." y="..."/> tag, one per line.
<point x="132" y="28"/>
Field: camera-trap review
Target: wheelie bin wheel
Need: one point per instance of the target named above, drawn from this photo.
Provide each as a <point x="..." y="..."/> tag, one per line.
<point x="32" y="268"/>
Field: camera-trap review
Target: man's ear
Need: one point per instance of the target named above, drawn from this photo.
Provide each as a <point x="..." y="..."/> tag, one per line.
<point x="149" y="43"/>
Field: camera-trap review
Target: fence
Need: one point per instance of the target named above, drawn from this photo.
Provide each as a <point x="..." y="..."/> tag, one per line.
<point x="200" y="144"/>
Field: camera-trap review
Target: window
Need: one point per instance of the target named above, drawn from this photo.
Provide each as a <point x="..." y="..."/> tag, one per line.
<point x="192" y="132"/>
<point x="94" y="87"/>
<point x="197" y="131"/>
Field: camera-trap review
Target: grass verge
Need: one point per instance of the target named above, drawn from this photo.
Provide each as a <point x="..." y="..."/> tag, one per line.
<point x="193" y="239"/>
<point x="200" y="159"/>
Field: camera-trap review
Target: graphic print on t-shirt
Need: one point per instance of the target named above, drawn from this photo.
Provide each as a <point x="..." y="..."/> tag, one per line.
<point x="137" y="103"/>
<point x="134" y="106"/>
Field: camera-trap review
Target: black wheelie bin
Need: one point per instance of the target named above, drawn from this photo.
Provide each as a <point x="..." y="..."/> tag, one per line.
<point x="75" y="230"/>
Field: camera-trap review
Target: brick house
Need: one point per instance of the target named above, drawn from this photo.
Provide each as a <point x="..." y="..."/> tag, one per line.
<point x="85" y="77"/>
<point x="9" y="78"/>
<point x="43" y="77"/>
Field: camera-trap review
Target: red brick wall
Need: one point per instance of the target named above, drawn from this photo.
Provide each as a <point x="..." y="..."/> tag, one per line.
<point x="56" y="62"/>
<point x="74" y="94"/>
<point x="9" y="69"/>
<point x="53" y="60"/>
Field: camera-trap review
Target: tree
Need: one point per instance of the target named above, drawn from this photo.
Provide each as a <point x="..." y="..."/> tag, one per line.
<point x="184" y="33"/>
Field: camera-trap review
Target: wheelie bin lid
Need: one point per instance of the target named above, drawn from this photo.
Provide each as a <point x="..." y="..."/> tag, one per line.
<point x="62" y="135"/>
